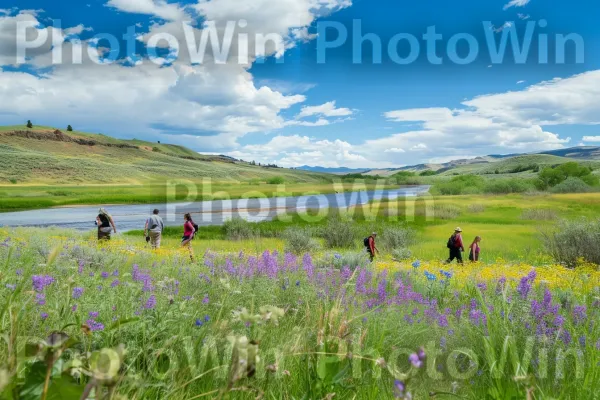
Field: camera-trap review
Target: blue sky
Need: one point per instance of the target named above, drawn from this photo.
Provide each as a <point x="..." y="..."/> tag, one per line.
<point x="287" y="107"/>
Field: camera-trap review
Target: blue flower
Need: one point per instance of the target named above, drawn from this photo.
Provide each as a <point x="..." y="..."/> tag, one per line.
<point x="430" y="276"/>
<point x="206" y="318"/>
<point x="337" y="256"/>
<point x="416" y="264"/>
<point x="447" y="274"/>
<point x="199" y="322"/>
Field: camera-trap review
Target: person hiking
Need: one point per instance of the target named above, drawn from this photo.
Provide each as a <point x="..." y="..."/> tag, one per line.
<point x="370" y="246"/>
<point x="474" y="249"/>
<point x="456" y="247"/>
<point x="153" y="230"/>
<point x="105" y="224"/>
<point x="189" y="230"/>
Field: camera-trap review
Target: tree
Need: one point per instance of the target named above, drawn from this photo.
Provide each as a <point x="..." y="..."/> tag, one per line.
<point x="69" y="128"/>
<point x="29" y="124"/>
<point x="551" y="177"/>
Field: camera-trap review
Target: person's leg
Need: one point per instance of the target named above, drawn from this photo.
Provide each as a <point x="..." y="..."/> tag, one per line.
<point x="371" y="256"/>
<point x="155" y="240"/>
<point x="459" y="256"/>
<point x="191" y="250"/>
<point x="450" y="257"/>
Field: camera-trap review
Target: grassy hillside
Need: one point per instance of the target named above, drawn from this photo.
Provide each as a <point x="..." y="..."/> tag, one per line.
<point x="42" y="155"/>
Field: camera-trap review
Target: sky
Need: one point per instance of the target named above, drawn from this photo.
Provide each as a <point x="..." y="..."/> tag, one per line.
<point x="339" y="83"/>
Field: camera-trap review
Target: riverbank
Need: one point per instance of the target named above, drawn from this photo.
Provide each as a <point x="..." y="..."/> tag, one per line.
<point x="25" y="197"/>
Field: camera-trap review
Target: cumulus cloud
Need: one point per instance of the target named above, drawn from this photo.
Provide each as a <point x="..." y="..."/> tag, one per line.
<point x="326" y="110"/>
<point x="593" y="139"/>
<point x="516" y="3"/>
<point x="158" y="8"/>
<point x="207" y="107"/>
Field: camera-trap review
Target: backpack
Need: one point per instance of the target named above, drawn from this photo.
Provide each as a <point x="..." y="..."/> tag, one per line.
<point x="451" y="241"/>
<point x="366" y="242"/>
<point x="196" y="228"/>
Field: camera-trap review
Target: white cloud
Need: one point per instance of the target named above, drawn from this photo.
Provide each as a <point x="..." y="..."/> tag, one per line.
<point x="77" y="30"/>
<point x="158" y="8"/>
<point x="520" y="82"/>
<point x="394" y="150"/>
<point x="516" y="3"/>
<point x="506" y="25"/>
<point x="594" y="139"/>
<point x="206" y="107"/>
<point x="523" y="16"/>
<point x="327" y="110"/>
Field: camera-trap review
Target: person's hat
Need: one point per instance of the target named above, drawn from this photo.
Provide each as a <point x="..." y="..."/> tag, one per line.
<point x="458" y="229"/>
<point x="374" y="234"/>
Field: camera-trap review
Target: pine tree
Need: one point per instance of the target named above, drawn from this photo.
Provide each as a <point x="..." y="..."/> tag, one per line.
<point x="69" y="128"/>
<point x="29" y="124"/>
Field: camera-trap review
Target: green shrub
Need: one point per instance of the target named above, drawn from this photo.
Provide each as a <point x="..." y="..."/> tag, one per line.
<point x="572" y="185"/>
<point x="551" y="177"/>
<point x="351" y="260"/>
<point x="539" y="214"/>
<point x="277" y="180"/>
<point x="401" y="254"/>
<point x="13" y="181"/>
<point x="395" y="238"/>
<point x="239" y="229"/>
<point x="462" y="184"/>
<point x="299" y="241"/>
<point x="507" y="186"/>
<point x="446" y="211"/>
<point x="339" y="233"/>
<point x="573" y="240"/>
<point x="476" y="208"/>
<point x="429" y="172"/>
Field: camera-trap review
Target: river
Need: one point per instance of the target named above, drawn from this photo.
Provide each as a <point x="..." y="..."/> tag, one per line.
<point x="216" y="212"/>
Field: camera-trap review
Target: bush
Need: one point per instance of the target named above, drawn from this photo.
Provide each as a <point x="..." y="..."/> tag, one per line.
<point x="539" y="214"/>
<point x="69" y="128"/>
<point x="507" y="186"/>
<point x="551" y="177"/>
<point x="401" y="254"/>
<point x="574" y="240"/>
<point x="29" y="124"/>
<point x="339" y="233"/>
<point x="446" y="211"/>
<point x="572" y="185"/>
<point x="462" y="184"/>
<point x="239" y="229"/>
<point x="351" y="260"/>
<point x="13" y="181"/>
<point x="429" y="172"/>
<point x="476" y="208"/>
<point x="277" y="180"/>
<point x="396" y="238"/>
<point x="299" y="241"/>
<point x="156" y="149"/>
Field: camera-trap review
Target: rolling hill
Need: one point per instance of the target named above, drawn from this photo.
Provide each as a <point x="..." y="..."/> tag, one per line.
<point x="44" y="155"/>
<point x="508" y="163"/>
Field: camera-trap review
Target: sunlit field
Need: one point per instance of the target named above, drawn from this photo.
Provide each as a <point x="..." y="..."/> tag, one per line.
<point x="247" y="320"/>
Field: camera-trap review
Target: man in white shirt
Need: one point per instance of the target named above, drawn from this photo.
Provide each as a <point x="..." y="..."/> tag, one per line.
<point x="153" y="229"/>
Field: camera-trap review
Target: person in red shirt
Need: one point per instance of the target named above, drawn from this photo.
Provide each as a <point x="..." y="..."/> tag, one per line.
<point x="371" y="248"/>
<point x="456" y="247"/>
<point x="188" y="234"/>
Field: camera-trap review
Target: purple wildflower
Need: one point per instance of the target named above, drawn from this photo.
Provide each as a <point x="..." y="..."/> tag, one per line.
<point x="44" y="315"/>
<point x="525" y="285"/>
<point x="399" y="388"/>
<point x="104" y="274"/>
<point x="19" y="272"/>
<point x="115" y="283"/>
<point x="77" y="292"/>
<point x="199" y="323"/>
<point x="415" y="360"/>
<point x="93" y="314"/>
<point x="205" y="300"/>
<point x="40" y="299"/>
<point x="74" y="308"/>
<point x="80" y="267"/>
<point x="150" y="303"/>
<point x="579" y="314"/>
<point x="94" y="325"/>
<point x="40" y="282"/>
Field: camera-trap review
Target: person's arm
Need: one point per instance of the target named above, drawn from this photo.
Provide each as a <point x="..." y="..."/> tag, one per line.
<point x="146" y="229"/>
<point x="113" y="224"/>
<point x="372" y="245"/>
<point x="460" y="242"/>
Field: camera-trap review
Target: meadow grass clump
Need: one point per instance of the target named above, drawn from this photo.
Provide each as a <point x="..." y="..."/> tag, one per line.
<point x="339" y="233"/>
<point x="447" y="211"/>
<point x="239" y="229"/>
<point x="401" y="254"/>
<point x="574" y="240"/>
<point x="299" y="240"/>
<point x="396" y="238"/>
<point x="539" y="214"/>
<point x="476" y="208"/>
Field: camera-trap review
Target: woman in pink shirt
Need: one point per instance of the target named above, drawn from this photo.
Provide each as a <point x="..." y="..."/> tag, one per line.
<point x="188" y="234"/>
<point x="474" y="253"/>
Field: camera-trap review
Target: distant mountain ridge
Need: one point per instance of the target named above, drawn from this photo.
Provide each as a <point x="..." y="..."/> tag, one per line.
<point x="578" y="153"/>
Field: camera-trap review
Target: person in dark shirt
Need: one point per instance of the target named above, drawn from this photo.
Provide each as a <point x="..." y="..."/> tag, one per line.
<point x="105" y="224"/>
<point x="371" y="247"/>
<point x="456" y="247"/>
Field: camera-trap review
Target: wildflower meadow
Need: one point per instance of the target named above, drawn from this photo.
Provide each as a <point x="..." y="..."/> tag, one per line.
<point x="118" y="321"/>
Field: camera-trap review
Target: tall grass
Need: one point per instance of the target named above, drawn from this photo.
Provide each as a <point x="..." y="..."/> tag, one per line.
<point x="574" y="240"/>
